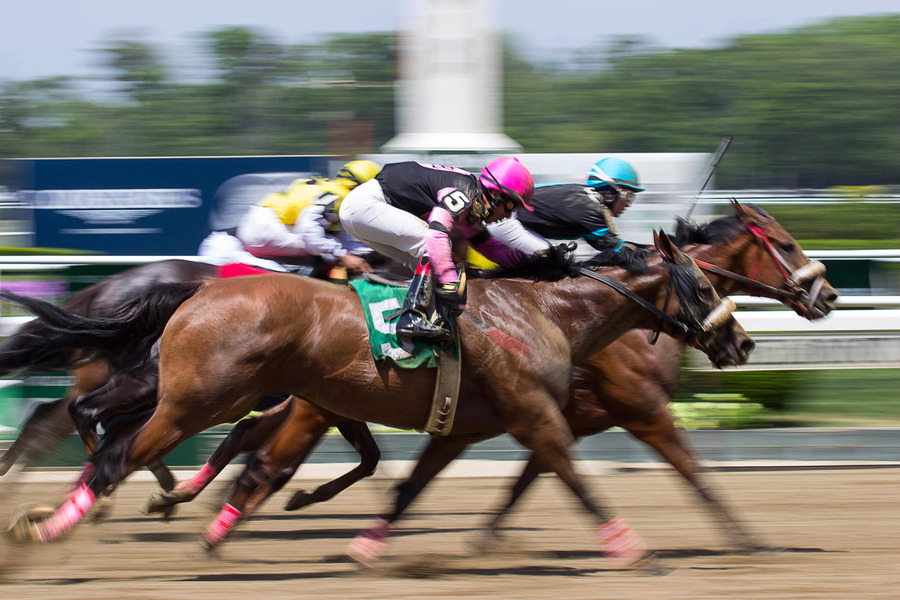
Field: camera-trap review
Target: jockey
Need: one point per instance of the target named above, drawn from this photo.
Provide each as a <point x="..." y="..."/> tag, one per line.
<point x="407" y="211"/>
<point x="575" y="211"/>
<point x="303" y="221"/>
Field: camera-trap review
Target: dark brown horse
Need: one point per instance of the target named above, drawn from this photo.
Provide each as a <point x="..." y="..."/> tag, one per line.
<point x="236" y="340"/>
<point x="628" y="384"/>
<point x="98" y="397"/>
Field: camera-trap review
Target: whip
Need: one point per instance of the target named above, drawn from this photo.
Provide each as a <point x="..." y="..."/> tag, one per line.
<point x="712" y="168"/>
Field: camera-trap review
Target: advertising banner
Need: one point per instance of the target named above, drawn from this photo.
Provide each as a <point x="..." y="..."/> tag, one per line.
<point x="145" y="206"/>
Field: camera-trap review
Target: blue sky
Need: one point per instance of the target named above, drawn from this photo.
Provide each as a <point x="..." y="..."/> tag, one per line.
<point x="41" y="38"/>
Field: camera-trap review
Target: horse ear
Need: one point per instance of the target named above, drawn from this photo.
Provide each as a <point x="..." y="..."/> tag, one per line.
<point x="748" y="216"/>
<point x="664" y="244"/>
<point x="667" y="248"/>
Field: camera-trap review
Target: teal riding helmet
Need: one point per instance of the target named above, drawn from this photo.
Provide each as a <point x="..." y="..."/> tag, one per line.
<point x="614" y="172"/>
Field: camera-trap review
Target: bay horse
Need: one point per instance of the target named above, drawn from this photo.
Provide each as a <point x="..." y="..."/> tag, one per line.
<point x="100" y="392"/>
<point x="228" y="342"/>
<point x="628" y="384"/>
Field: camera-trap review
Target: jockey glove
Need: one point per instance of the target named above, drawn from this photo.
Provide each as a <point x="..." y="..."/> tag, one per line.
<point x="452" y="295"/>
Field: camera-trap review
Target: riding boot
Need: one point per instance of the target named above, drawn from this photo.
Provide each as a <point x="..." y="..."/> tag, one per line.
<point x="413" y="320"/>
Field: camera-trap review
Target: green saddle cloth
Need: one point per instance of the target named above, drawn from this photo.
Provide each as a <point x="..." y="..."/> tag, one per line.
<point x="380" y="302"/>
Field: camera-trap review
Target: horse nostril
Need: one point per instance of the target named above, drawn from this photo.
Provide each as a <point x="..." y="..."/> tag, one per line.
<point x="747" y="347"/>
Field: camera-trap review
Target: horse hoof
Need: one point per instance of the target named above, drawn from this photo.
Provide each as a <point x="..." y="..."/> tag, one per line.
<point x="366" y="550"/>
<point x="652" y="567"/>
<point x="102" y="509"/>
<point x="299" y="500"/>
<point x="211" y="544"/>
<point x="22" y="528"/>
<point x="163" y="502"/>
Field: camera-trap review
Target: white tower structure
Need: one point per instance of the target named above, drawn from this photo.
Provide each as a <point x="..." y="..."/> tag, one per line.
<point x="450" y="79"/>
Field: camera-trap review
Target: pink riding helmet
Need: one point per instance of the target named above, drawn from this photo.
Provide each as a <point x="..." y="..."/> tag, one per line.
<point x="511" y="177"/>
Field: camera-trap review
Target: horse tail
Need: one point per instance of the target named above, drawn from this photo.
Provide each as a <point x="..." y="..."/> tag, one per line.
<point x="27" y="351"/>
<point x="125" y="337"/>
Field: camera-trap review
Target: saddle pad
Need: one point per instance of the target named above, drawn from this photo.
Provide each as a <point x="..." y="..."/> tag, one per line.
<point x="379" y="303"/>
<point x="239" y="270"/>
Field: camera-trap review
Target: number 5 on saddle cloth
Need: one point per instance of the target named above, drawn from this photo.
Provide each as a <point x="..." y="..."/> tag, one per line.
<point x="381" y="299"/>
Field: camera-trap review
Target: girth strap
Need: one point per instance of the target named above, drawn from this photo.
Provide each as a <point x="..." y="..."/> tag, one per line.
<point x="446" y="389"/>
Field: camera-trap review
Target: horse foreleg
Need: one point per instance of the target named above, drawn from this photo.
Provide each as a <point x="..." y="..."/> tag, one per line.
<point x="247" y="434"/>
<point x="271" y="466"/>
<point x="492" y="530"/>
<point x="549" y="437"/>
<point x="585" y="418"/>
<point x="359" y="436"/>
<point x="673" y="446"/>
<point x="440" y="452"/>
<point x="47" y="426"/>
<point x="129" y="443"/>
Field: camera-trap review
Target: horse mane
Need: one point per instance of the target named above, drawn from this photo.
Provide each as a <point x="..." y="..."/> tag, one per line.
<point x="629" y="257"/>
<point x="558" y="262"/>
<point x="723" y="229"/>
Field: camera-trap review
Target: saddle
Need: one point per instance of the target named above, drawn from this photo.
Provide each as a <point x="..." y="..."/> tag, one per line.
<point x="381" y="296"/>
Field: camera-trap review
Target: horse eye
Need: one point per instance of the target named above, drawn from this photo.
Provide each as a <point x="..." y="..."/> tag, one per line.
<point x="788" y="247"/>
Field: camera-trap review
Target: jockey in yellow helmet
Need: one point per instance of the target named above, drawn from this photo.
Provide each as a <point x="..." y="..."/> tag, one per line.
<point x="303" y="221"/>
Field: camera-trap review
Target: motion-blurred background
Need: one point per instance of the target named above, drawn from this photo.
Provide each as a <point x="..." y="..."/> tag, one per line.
<point x="810" y="94"/>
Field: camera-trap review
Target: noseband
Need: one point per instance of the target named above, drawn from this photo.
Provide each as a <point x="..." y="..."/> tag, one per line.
<point x="792" y="293"/>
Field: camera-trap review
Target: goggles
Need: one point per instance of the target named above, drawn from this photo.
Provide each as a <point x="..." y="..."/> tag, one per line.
<point x="611" y="192"/>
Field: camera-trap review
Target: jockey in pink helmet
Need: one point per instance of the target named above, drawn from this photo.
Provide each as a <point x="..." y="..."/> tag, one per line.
<point x="510" y="178"/>
<point x="407" y="211"/>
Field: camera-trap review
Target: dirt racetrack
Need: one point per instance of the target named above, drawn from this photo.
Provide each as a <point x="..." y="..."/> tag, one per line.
<point x="840" y="530"/>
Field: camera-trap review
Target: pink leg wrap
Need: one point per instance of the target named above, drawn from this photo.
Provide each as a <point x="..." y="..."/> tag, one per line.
<point x="67" y="515"/>
<point x="369" y="545"/>
<point x="222" y="526"/>
<point x="198" y="482"/>
<point x="620" y="543"/>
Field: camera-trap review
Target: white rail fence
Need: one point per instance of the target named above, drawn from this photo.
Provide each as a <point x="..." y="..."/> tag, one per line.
<point x="863" y="331"/>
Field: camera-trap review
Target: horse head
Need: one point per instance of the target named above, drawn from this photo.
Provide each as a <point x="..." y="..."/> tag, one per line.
<point x="800" y="282"/>
<point x="706" y="318"/>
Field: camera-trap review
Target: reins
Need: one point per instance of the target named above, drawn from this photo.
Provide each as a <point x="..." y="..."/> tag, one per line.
<point x="663" y="317"/>
<point x="794" y="294"/>
<point x="751" y="283"/>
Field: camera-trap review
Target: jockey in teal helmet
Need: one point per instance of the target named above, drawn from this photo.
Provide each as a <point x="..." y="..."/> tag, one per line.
<point x="617" y="181"/>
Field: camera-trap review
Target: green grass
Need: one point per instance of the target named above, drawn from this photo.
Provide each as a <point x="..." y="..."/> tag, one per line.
<point x="814" y="398"/>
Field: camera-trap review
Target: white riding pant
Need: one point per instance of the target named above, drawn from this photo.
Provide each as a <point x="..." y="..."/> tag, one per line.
<point x="219" y="248"/>
<point x="264" y="235"/>
<point x="368" y="216"/>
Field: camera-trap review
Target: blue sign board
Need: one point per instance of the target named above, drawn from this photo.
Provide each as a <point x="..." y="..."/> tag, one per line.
<point x="146" y="206"/>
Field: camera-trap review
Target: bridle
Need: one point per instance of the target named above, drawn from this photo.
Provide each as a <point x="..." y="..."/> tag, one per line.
<point x="792" y="292"/>
<point x="687" y="322"/>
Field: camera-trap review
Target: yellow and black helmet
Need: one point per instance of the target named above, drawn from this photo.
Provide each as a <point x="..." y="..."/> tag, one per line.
<point x="356" y="172"/>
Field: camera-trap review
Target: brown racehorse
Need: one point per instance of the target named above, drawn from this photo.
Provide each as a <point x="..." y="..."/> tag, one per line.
<point x="99" y="392"/>
<point x="628" y="384"/>
<point x="236" y="340"/>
